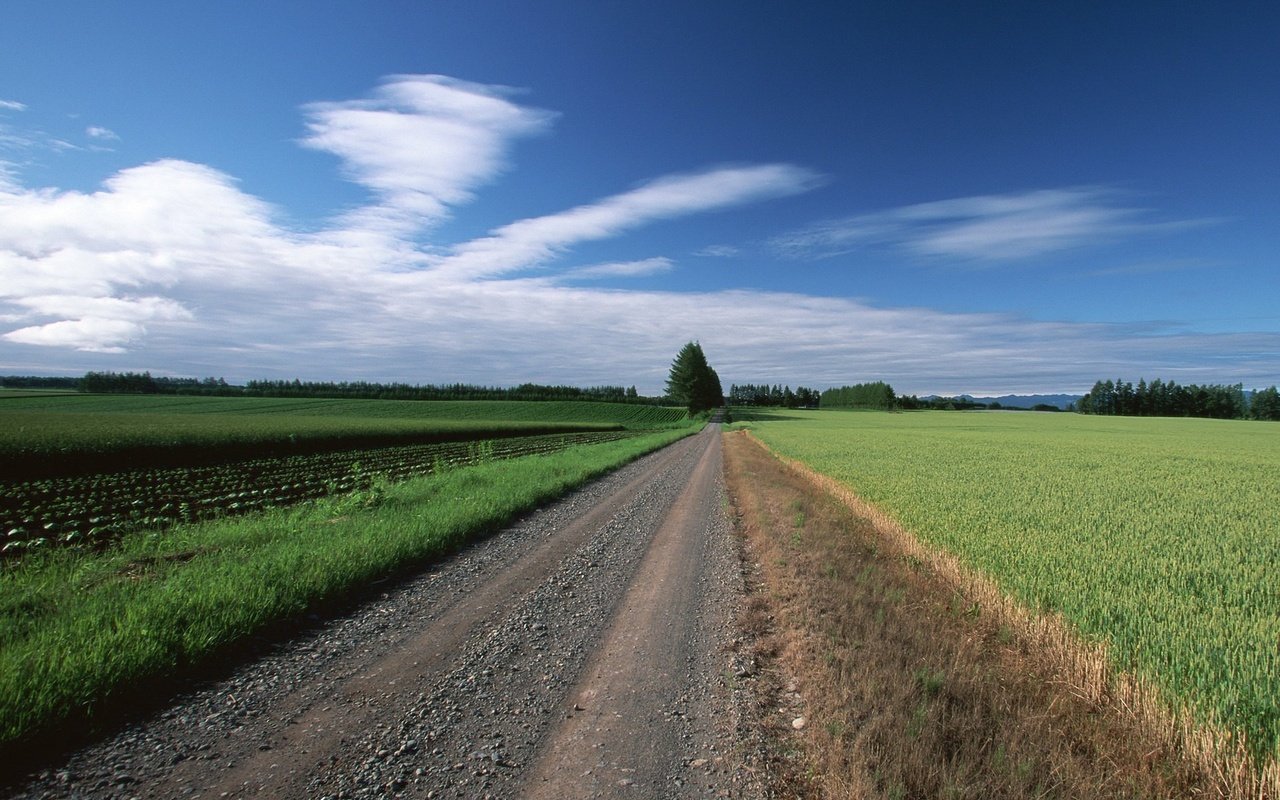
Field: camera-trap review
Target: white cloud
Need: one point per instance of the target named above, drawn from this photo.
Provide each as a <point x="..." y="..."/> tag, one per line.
<point x="91" y="334"/>
<point x="99" y="132"/>
<point x="983" y="228"/>
<point x="421" y="144"/>
<point x="170" y="266"/>
<point x="8" y="176"/>
<point x="532" y="241"/>
<point x="623" y="269"/>
<point x="717" y="251"/>
<point x="19" y="145"/>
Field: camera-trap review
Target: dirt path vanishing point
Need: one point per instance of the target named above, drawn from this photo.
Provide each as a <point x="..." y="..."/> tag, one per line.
<point x="588" y="650"/>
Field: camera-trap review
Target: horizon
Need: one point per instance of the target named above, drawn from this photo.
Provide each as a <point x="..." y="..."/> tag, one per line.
<point x="616" y="385"/>
<point x="952" y="199"/>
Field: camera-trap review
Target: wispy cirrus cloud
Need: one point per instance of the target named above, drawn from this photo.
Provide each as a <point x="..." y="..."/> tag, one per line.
<point x="717" y="251"/>
<point x="171" y="266"/>
<point x="421" y="144"/>
<point x="532" y="241"/>
<point x="102" y="134"/>
<point x="1152" y="267"/>
<point x="622" y="269"/>
<point x="20" y="145"/>
<point x="174" y="249"/>
<point x="984" y="228"/>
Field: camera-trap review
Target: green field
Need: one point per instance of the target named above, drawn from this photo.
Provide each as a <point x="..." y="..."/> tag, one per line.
<point x="81" y="470"/>
<point x="91" y="630"/>
<point x="1160" y="537"/>
<point x="637" y="415"/>
<point x="73" y="434"/>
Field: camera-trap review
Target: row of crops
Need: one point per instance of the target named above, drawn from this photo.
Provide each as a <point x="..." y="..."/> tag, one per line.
<point x="1157" y="536"/>
<point x="91" y="511"/>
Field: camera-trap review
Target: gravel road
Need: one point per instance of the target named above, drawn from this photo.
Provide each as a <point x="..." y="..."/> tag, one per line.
<point x="588" y="650"/>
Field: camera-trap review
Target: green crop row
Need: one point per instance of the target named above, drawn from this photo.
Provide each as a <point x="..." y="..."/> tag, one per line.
<point x="1160" y="537"/>
<point x="95" y="510"/>
<point x="87" y="434"/>
<point x="566" y="411"/>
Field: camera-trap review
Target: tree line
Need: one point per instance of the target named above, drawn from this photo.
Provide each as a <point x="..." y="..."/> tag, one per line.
<point x="877" y="395"/>
<point x="453" y="391"/>
<point x="694" y="384"/>
<point x="1169" y="399"/>
<point x="39" y="382"/>
<point x="146" y="383"/>
<point x="778" y="396"/>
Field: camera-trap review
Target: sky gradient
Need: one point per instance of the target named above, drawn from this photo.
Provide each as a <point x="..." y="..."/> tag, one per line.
<point x="953" y="197"/>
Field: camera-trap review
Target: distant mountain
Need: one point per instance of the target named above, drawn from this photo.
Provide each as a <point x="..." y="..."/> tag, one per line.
<point x="1029" y="400"/>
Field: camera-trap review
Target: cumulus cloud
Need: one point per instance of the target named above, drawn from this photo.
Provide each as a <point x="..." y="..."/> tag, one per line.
<point x="90" y="334"/>
<point x="983" y="228"/>
<point x="171" y="266"/>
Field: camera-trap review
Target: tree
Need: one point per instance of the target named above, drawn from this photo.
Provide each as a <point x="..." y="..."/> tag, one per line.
<point x="862" y="395"/>
<point x="1266" y="404"/>
<point x="692" y="382"/>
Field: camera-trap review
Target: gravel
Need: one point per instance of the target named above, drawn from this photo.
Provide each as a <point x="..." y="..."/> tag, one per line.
<point x="430" y="690"/>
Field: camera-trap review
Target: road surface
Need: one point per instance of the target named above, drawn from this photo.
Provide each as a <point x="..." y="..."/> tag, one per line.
<point x="588" y="650"/>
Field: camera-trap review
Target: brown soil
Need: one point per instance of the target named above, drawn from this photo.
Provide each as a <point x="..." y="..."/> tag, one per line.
<point x="890" y="683"/>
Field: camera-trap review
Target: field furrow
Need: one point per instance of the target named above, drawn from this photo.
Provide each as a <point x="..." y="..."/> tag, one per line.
<point x="95" y="510"/>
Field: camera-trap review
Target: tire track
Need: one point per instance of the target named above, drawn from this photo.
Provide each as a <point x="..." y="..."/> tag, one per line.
<point x="459" y="682"/>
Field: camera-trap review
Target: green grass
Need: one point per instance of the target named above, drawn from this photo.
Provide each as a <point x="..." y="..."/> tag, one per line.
<point x="568" y="411"/>
<point x="82" y="434"/>
<point x="1157" y="536"/>
<point x="82" y="633"/>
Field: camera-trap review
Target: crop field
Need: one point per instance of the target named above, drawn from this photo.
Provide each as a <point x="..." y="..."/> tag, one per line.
<point x="144" y="535"/>
<point x="85" y="631"/>
<point x="575" y="411"/>
<point x="95" y="510"/>
<point x="59" y="435"/>
<point x="1159" y="537"/>
<point x="82" y="470"/>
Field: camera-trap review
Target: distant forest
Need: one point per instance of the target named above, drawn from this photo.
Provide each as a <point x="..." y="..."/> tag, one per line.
<point x="861" y="395"/>
<point x="1168" y="399"/>
<point x="776" y="396"/>
<point x="1120" y="398"/>
<point x="145" y="383"/>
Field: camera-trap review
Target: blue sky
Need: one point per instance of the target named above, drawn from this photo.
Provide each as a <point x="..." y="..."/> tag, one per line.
<point x="954" y="197"/>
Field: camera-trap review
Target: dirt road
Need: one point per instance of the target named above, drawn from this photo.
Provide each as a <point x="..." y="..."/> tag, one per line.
<point x="585" y="651"/>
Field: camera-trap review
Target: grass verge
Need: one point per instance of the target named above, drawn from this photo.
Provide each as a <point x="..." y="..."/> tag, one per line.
<point x="83" y="637"/>
<point x="1140" y="550"/>
<point x="900" y="682"/>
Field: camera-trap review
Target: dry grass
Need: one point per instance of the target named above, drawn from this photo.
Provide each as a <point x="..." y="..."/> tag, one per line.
<point x="912" y="684"/>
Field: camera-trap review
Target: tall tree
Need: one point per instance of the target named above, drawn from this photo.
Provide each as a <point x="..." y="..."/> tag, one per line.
<point x="692" y="382"/>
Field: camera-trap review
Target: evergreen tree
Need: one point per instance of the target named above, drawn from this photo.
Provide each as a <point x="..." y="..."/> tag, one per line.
<point x="1265" y="404"/>
<point x="692" y="382"/>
